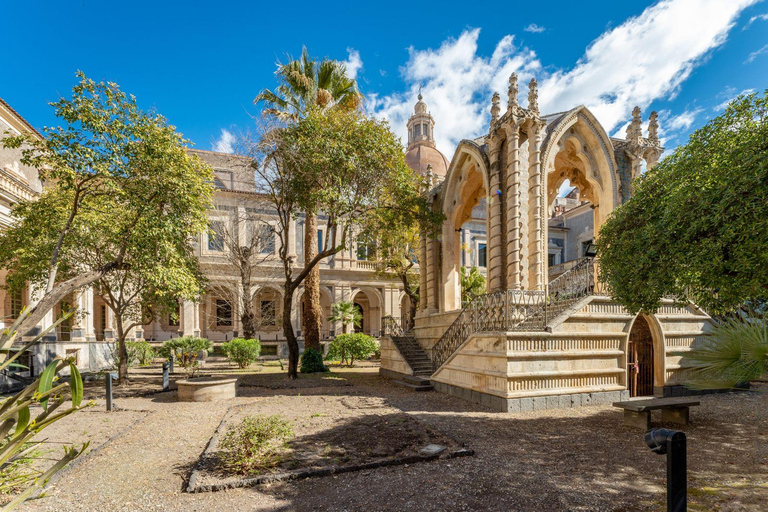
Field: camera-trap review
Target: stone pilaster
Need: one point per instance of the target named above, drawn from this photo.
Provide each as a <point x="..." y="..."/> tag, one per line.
<point x="423" y="269"/>
<point x="513" y="206"/>
<point x="431" y="284"/>
<point x="496" y="250"/>
<point x="535" y="210"/>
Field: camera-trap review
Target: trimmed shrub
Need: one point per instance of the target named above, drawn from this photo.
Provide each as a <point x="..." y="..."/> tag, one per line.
<point x="348" y="347"/>
<point x="312" y="361"/>
<point x="185" y="351"/>
<point x="241" y="351"/>
<point x="255" y="443"/>
<point x="140" y="353"/>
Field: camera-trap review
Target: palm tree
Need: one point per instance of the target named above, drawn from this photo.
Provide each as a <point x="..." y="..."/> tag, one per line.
<point x="305" y="84"/>
<point x="732" y="354"/>
<point x="346" y="313"/>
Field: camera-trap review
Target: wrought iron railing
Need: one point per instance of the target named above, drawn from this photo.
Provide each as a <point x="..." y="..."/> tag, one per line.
<point x="519" y="310"/>
<point x="391" y="326"/>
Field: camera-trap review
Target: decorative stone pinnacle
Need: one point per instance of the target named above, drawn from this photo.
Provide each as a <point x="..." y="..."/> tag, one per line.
<point x="513" y="91"/>
<point x="635" y="128"/>
<point x="420" y="96"/>
<point x="653" y="127"/>
<point x="495" y="108"/>
<point x="430" y="177"/>
<point x="533" y="96"/>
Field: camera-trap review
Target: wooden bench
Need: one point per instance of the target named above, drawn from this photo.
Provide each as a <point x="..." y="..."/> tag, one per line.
<point x="637" y="413"/>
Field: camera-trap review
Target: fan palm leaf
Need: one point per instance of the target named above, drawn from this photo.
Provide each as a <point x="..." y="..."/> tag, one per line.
<point x="733" y="353"/>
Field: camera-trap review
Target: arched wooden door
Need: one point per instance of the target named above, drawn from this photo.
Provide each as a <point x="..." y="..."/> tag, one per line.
<point x="640" y="359"/>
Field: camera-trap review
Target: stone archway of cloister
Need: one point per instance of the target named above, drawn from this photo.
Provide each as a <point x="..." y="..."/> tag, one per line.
<point x="370" y="302"/>
<point x="466" y="187"/>
<point x="578" y="149"/>
<point x="268" y="318"/>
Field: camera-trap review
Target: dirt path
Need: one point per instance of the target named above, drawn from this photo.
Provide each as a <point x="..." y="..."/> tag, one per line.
<point x="575" y="459"/>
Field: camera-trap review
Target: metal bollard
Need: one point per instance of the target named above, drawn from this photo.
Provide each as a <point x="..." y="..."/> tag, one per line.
<point x="109" y="377"/>
<point x="672" y="443"/>
<point x="166" y="380"/>
<point x="170" y="363"/>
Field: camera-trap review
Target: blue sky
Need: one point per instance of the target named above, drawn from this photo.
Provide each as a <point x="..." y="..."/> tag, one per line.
<point x="201" y="63"/>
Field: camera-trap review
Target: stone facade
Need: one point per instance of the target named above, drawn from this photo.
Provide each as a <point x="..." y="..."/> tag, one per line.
<point x="546" y="335"/>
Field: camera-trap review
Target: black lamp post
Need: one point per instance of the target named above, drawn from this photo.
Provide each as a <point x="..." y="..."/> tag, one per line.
<point x="671" y="443"/>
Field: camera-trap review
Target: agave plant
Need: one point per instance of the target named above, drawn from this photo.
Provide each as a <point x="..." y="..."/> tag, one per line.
<point x="734" y="352"/>
<point x="17" y="424"/>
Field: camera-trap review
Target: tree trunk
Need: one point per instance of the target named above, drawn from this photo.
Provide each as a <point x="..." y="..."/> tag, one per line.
<point x="413" y="298"/>
<point x="290" y="336"/>
<point x="61" y="290"/>
<point x="122" y="350"/>
<point x="312" y="314"/>
<point x="247" y="318"/>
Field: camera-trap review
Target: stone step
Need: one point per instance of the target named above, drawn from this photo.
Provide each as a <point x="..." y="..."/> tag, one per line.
<point x="415" y="387"/>
<point x="416" y="379"/>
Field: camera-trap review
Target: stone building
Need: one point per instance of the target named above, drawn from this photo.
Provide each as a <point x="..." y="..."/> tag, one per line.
<point x="547" y="333"/>
<point x="348" y="276"/>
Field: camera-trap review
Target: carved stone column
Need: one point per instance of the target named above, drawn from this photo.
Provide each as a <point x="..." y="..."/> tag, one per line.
<point x="496" y="249"/>
<point x="423" y="269"/>
<point x="512" y="197"/>
<point x="431" y="284"/>
<point x="535" y="210"/>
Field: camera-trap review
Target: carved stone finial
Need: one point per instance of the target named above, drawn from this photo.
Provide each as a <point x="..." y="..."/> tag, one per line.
<point x="533" y="96"/>
<point x="495" y="108"/>
<point x="420" y="96"/>
<point x="513" y="91"/>
<point x="653" y="127"/>
<point x="430" y="175"/>
<point x="635" y="128"/>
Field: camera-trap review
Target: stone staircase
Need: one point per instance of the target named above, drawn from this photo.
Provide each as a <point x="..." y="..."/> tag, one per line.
<point x="419" y="362"/>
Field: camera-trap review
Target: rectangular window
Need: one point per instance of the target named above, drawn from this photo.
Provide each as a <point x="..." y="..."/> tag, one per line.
<point x="216" y="236"/>
<point x="552" y="260"/>
<point x="585" y="247"/>
<point x="481" y="256"/>
<point x="319" y="240"/>
<point x="268" y="313"/>
<point x="16" y="304"/>
<point x="223" y="313"/>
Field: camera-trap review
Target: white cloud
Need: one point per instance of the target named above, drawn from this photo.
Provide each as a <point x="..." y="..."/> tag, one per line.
<point x="730" y="93"/>
<point x="536" y="29"/>
<point x="646" y="58"/>
<point x="457" y="86"/>
<point x="759" y="17"/>
<point x="354" y="63"/>
<point x="756" y="54"/>
<point x="682" y="121"/>
<point x="225" y="143"/>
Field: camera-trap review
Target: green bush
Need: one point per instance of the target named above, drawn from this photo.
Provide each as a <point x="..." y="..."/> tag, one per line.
<point x="185" y="351"/>
<point x="348" y="347"/>
<point x="241" y="351"/>
<point x="255" y="443"/>
<point x="312" y="361"/>
<point x="140" y="353"/>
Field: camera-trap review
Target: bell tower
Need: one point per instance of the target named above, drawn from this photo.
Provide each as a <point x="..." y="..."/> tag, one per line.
<point x="421" y="126"/>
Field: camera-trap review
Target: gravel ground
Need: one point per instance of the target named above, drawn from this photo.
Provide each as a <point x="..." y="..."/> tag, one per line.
<point x="572" y="459"/>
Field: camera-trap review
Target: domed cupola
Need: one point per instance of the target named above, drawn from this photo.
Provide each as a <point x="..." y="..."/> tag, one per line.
<point x="421" y="150"/>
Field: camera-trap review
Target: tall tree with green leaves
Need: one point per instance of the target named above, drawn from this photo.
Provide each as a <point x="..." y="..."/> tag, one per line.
<point x="350" y="166"/>
<point x="306" y="84"/>
<point x="346" y="313"/>
<point x="122" y="205"/>
<point x="696" y="227"/>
